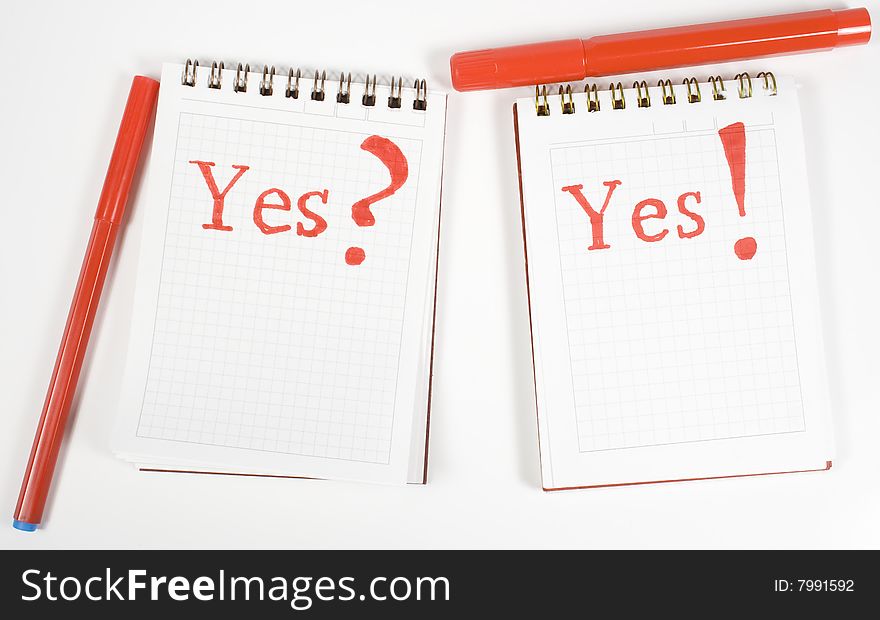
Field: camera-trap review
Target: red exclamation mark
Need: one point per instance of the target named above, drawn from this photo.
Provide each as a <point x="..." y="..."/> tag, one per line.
<point x="733" y="139"/>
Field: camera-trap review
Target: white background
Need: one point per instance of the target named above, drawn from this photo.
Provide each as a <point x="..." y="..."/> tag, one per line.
<point x="67" y="69"/>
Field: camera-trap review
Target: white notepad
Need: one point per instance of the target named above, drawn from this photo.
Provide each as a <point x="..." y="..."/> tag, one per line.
<point x="279" y="328"/>
<point x="676" y="335"/>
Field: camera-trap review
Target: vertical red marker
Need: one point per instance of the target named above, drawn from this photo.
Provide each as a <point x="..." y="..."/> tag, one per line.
<point x="62" y="386"/>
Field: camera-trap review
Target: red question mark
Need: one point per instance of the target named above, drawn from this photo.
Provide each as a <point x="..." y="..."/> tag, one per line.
<point x="394" y="159"/>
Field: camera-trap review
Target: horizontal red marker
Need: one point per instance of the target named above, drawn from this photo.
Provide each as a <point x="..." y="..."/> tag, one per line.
<point x="649" y="50"/>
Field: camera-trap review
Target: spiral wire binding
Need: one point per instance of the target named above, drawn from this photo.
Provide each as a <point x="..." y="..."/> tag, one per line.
<point x="292" y="90"/>
<point x="643" y="93"/>
<point x="694" y="96"/>
<point x="745" y="85"/>
<point x="643" y="97"/>
<point x="318" y="93"/>
<point x="216" y="77"/>
<point x="395" y="99"/>
<point x="542" y="104"/>
<point x="240" y="85"/>
<point x="769" y="81"/>
<point x="567" y="106"/>
<point x="421" y="100"/>
<point x="190" y="74"/>
<point x="369" y="98"/>
<point x="344" y="94"/>
<point x="592" y="98"/>
<point x="668" y="96"/>
<point x="267" y="82"/>
<point x="617" y="103"/>
<point x="717" y="88"/>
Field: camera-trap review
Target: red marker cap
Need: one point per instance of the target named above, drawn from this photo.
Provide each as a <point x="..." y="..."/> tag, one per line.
<point x="649" y="50"/>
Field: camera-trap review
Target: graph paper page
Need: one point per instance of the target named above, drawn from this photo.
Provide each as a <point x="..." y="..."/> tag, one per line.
<point x="282" y="327"/>
<point x="676" y="331"/>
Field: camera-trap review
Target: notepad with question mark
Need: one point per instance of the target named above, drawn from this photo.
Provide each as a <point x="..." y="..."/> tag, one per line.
<point x="283" y="322"/>
<point x="674" y="308"/>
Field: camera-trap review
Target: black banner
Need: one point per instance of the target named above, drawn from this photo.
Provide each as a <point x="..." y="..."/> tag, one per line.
<point x="427" y="584"/>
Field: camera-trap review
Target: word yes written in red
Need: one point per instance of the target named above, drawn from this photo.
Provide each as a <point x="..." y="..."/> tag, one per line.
<point x="272" y="198"/>
<point x="645" y="210"/>
<point x="388" y="153"/>
<point x="733" y="140"/>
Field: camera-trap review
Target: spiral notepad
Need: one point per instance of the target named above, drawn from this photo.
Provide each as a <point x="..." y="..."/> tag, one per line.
<point x="674" y="309"/>
<point x="283" y="321"/>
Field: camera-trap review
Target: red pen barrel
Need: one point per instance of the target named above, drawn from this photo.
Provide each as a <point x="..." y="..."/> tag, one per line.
<point x="571" y="60"/>
<point x="71" y="353"/>
<point x="62" y="386"/>
<point x="725" y="41"/>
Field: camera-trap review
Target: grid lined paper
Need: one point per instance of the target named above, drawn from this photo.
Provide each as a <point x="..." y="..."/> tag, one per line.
<point x="272" y="342"/>
<point x="676" y="340"/>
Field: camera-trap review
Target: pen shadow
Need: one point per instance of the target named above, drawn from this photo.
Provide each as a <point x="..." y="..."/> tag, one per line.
<point x="817" y="150"/>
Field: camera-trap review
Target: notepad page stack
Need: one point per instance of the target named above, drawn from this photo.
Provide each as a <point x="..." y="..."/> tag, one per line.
<point x="674" y="307"/>
<point x="286" y="287"/>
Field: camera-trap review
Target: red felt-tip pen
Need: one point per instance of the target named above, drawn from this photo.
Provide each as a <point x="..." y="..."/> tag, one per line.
<point x="62" y="386"/>
<point x="649" y="50"/>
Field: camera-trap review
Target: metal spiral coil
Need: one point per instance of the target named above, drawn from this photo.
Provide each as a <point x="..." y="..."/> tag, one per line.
<point x="318" y="91"/>
<point x="643" y="96"/>
<point x="292" y="90"/>
<point x="667" y="95"/>
<point x="190" y="76"/>
<point x="344" y="94"/>
<point x="717" y="88"/>
<point x="618" y="99"/>
<point x="421" y="100"/>
<point x="394" y="100"/>
<point x="369" y="98"/>
<point x="567" y="106"/>
<point x="241" y="77"/>
<point x="267" y="85"/>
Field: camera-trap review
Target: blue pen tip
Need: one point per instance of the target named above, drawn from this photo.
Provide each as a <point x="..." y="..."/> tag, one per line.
<point x="24" y="526"/>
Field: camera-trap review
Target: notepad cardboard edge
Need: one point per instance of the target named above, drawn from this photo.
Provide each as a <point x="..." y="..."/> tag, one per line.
<point x="522" y="208"/>
<point x="695" y="479"/>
